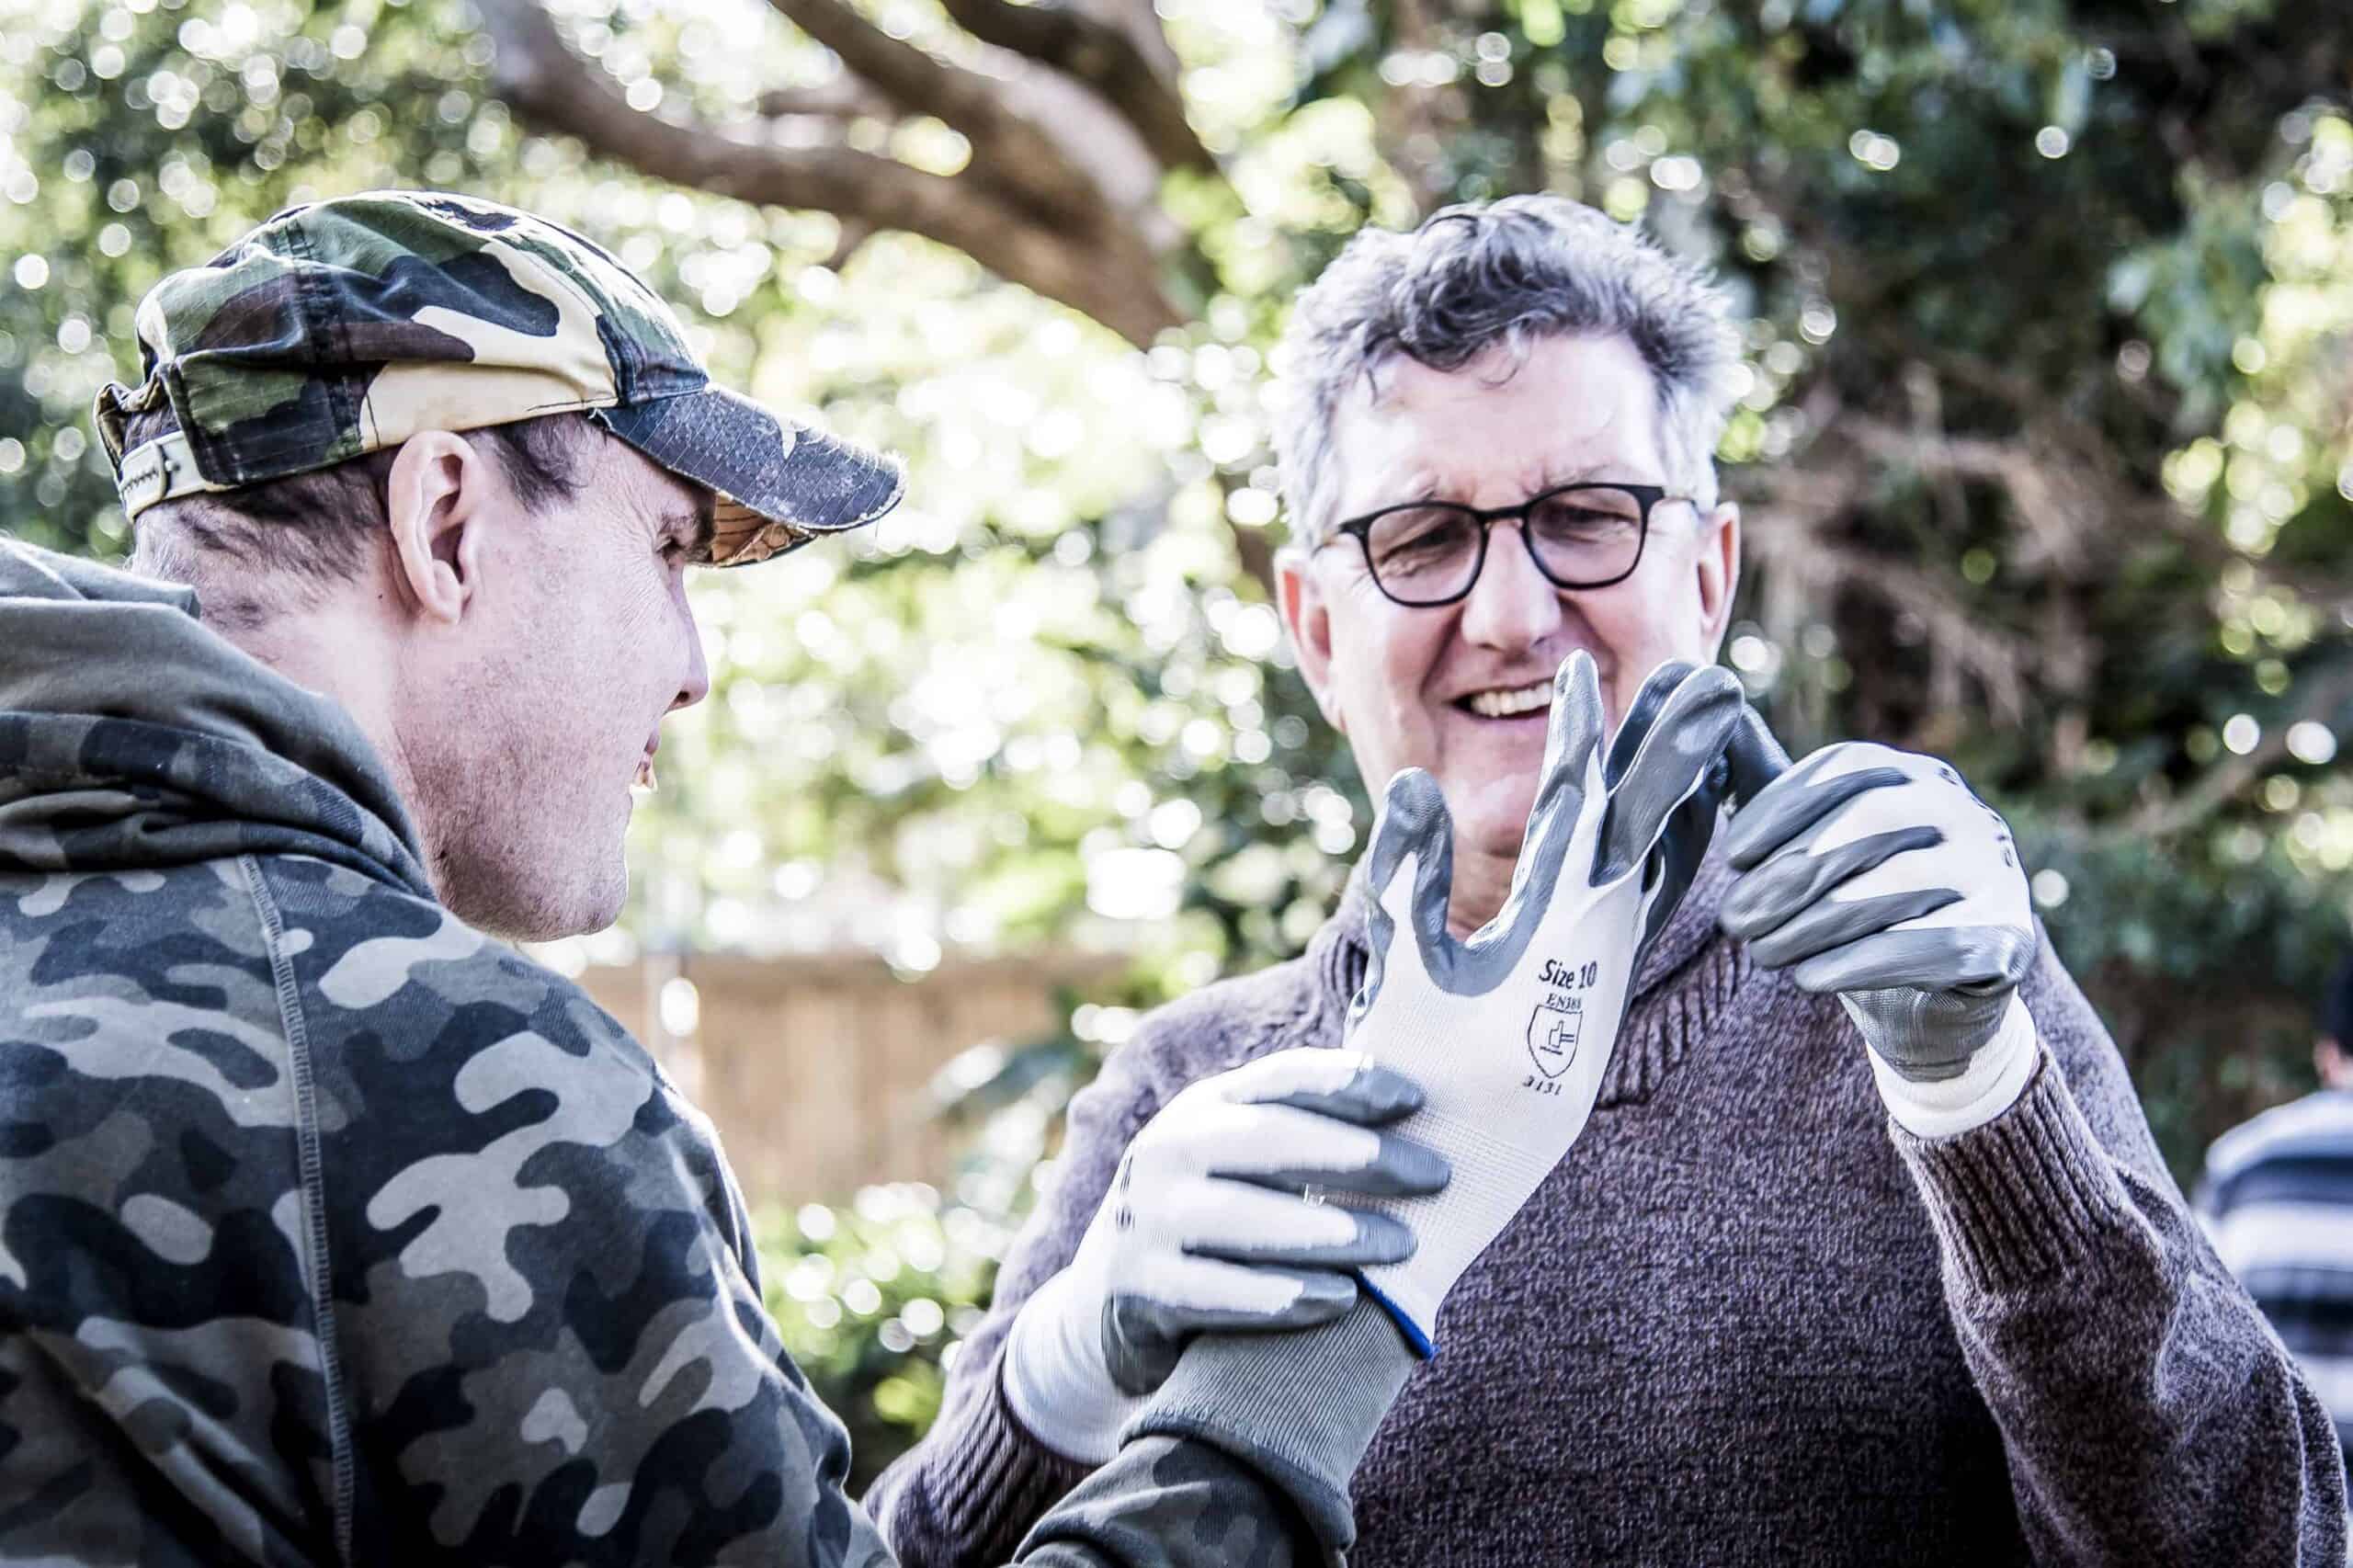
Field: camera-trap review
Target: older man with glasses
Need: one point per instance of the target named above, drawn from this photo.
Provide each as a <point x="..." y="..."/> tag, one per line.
<point x="1866" y="1255"/>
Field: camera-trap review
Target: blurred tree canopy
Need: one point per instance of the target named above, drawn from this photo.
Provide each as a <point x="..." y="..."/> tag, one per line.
<point x="2044" y="446"/>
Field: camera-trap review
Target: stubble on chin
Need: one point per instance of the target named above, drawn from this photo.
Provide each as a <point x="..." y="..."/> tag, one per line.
<point x="515" y="848"/>
<point x="526" y="893"/>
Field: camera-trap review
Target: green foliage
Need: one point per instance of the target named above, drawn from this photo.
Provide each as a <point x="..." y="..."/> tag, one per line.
<point x="2043" y="455"/>
<point x="872" y="1299"/>
<point x="2042" y="450"/>
<point x="2202" y="969"/>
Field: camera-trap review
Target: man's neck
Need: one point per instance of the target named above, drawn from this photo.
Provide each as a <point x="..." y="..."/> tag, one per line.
<point x="326" y="650"/>
<point x="1482" y="882"/>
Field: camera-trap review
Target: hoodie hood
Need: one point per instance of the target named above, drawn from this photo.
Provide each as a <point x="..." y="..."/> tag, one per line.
<point x="133" y="737"/>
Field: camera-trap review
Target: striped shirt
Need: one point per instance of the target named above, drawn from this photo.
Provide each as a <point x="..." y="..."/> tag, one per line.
<point x="2278" y="1199"/>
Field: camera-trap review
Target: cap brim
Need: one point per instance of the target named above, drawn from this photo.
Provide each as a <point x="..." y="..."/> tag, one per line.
<point x="779" y="483"/>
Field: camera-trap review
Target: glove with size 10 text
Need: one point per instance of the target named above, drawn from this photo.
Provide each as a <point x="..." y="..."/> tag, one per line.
<point x="1211" y="1226"/>
<point x="1879" y="876"/>
<point x="1507" y="1031"/>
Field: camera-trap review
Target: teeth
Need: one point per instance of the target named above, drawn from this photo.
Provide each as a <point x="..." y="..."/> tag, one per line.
<point x="643" y="783"/>
<point x="1512" y="702"/>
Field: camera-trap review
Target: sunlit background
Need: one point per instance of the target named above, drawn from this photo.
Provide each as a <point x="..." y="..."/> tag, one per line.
<point x="2042" y="443"/>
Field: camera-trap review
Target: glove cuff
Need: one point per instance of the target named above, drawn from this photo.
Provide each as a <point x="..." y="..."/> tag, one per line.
<point x="1997" y="1074"/>
<point x="1300" y="1409"/>
<point x="1055" y="1379"/>
<point x="1493" y="1177"/>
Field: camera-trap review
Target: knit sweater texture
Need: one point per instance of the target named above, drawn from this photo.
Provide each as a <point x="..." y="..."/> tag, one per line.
<point x="1748" y="1319"/>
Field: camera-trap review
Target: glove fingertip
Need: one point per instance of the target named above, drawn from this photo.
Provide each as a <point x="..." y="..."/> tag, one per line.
<point x="2010" y="954"/>
<point x="1577" y="669"/>
<point x="1387" y="1094"/>
<point x="1753" y="758"/>
<point x="1417" y="1169"/>
<point x="1408" y="785"/>
<point x="1815" y="978"/>
<point x="1735" y="918"/>
<point x="1572" y="733"/>
<point x="1413" y="819"/>
<point x="1770" y="955"/>
<point x="1743" y="852"/>
<point x="1392" y="1239"/>
<point x="1323" y="1295"/>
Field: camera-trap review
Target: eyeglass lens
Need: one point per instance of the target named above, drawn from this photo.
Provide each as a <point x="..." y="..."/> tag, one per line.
<point x="1429" y="554"/>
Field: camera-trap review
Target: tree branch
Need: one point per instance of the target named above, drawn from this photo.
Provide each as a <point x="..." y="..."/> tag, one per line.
<point x="844" y="97"/>
<point x="1999" y="661"/>
<point x="2323" y="700"/>
<point x="1008" y="151"/>
<point x="1106" y="58"/>
<point x="1098" y="141"/>
<point x="2051" y="498"/>
<point x="2072" y="499"/>
<point x="545" y="84"/>
<point x="1416" y="119"/>
<point x="855" y="232"/>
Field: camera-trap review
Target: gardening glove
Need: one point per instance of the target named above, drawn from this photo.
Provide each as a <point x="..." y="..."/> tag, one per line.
<point x="1217" y="1220"/>
<point x="1508" y="1031"/>
<point x="1880" y="877"/>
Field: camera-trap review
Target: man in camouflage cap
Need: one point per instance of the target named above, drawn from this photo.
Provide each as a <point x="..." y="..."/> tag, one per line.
<point x="331" y="1229"/>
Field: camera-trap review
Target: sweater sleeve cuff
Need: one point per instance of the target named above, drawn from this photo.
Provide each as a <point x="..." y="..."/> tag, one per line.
<point x="1003" y="1478"/>
<point x="2023" y="1197"/>
<point x="1299" y="1408"/>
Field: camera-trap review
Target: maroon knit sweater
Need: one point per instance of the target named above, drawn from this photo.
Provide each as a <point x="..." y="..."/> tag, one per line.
<point x="1749" y="1320"/>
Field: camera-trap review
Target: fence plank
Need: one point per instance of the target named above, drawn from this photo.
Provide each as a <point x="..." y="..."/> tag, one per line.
<point x="816" y="1069"/>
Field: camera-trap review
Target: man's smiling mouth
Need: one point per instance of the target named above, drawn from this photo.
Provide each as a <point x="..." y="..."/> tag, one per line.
<point x="1508" y="702"/>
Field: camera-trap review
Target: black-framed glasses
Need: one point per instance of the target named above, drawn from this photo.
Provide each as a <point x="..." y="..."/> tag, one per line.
<point x="1427" y="554"/>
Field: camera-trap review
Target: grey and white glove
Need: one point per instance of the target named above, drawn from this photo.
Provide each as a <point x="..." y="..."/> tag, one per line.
<point x="1216" y="1221"/>
<point x="1508" y="1031"/>
<point x="1878" y="875"/>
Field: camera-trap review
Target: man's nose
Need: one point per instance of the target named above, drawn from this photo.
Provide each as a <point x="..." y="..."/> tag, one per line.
<point x="697" y="682"/>
<point x="1512" y="606"/>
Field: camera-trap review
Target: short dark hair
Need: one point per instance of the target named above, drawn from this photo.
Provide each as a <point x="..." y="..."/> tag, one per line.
<point x="2337" y="1006"/>
<point x="313" y="530"/>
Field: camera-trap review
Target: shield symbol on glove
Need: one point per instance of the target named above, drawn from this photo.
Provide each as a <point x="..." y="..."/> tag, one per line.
<point x="1553" y="1035"/>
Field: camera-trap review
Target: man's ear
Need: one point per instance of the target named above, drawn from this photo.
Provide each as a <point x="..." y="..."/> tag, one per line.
<point x="437" y="501"/>
<point x="1716" y="559"/>
<point x="1300" y="596"/>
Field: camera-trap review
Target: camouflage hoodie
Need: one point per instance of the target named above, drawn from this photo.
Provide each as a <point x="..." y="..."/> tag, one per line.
<point x="333" y="1231"/>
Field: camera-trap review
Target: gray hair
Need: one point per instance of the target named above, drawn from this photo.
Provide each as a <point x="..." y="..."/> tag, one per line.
<point x="1505" y="273"/>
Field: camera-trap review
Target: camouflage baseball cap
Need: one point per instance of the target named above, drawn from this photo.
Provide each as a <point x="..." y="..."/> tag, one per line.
<point x="346" y="326"/>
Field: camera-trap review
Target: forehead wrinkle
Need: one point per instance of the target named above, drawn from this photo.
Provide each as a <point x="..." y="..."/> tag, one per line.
<point x="1551" y="473"/>
<point x="1610" y="473"/>
<point x="669" y="500"/>
<point x="1554" y="465"/>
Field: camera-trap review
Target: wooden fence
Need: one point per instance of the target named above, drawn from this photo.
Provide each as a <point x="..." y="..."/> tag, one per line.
<point x="817" y="1069"/>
